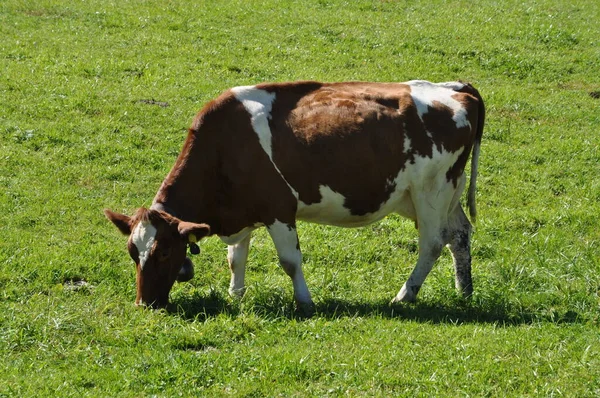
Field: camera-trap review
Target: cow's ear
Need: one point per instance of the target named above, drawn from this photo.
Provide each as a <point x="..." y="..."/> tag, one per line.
<point x="192" y="232"/>
<point x="122" y="221"/>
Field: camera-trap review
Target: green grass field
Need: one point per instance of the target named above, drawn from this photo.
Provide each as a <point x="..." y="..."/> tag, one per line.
<point x="95" y="100"/>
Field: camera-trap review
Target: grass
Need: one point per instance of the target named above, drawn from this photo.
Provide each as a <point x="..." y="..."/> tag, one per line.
<point x="95" y="99"/>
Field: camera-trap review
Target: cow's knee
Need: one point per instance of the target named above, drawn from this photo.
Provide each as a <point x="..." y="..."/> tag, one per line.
<point x="286" y="243"/>
<point x="237" y="255"/>
<point x="293" y="268"/>
<point x="290" y="267"/>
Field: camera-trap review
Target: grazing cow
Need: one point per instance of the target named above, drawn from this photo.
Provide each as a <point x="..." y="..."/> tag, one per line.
<point x="344" y="154"/>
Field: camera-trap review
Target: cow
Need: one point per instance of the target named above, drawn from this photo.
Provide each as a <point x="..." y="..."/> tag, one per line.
<point x="342" y="154"/>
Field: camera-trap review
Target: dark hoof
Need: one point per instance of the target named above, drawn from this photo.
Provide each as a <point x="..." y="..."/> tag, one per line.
<point x="305" y="310"/>
<point x="466" y="291"/>
<point x="186" y="272"/>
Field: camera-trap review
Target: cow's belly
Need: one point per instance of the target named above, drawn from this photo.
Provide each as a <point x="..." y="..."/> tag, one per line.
<point x="331" y="211"/>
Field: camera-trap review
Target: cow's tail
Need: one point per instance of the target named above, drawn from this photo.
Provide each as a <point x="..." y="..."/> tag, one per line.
<point x="475" y="156"/>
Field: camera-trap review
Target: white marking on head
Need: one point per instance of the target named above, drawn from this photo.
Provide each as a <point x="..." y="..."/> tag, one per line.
<point x="258" y="104"/>
<point x="425" y="93"/>
<point x="143" y="237"/>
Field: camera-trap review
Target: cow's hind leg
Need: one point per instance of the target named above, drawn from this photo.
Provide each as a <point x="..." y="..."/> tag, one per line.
<point x="460" y="247"/>
<point x="286" y="243"/>
<point x="431" y="243"/>
<point x="237" y="255"/>
<point x="431" y="207"/>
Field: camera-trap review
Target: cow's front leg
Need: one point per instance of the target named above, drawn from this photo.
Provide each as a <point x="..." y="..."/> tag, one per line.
<point x="286" y="243"/>
<point x="237" y="255"/>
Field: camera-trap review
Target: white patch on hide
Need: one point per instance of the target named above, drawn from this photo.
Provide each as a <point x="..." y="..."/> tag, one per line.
<point x="259" y="104"/>
<point x="423" y="175"/>
<point x="407" y="144"/>
<point x="425" y="93"/>
<point x="238" y="236"/>
<point x="330" y="210"/>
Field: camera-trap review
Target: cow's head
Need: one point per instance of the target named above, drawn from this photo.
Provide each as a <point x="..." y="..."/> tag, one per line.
<point x="157" y="244"/>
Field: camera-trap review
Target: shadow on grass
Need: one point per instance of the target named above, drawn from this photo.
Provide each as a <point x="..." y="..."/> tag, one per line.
<point x="458" y="311"/>
<point x="455" y="313"/>
<point x="201" y="307"/>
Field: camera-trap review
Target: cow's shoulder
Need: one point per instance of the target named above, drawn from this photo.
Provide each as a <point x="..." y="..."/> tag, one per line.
<point x="215" y="111"/>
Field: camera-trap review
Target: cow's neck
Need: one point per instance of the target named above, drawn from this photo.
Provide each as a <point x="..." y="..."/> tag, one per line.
<point x="186" y="191"/>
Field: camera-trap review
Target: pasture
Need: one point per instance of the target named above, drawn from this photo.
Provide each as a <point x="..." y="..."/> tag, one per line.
<point x="95" y="101"/>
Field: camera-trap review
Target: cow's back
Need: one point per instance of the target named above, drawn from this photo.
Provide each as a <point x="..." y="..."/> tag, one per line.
<point x="351" y="151"/>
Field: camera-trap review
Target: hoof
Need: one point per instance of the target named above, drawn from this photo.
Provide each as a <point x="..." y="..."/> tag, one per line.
<point x="305" y="310"/>
<point x="186" y="272"/>
<point x="467" y="292"/>
<point x="406" y="295"/>
<point x="397" y="300"/>
<point x="237" y="293"/>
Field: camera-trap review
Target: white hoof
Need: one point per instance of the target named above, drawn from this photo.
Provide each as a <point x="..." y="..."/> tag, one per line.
<point x="407" y="294"/>
<point x="237" y="293"/>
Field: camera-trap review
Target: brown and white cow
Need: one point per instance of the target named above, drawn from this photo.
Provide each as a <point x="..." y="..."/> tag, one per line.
<point x="344" y="154"/>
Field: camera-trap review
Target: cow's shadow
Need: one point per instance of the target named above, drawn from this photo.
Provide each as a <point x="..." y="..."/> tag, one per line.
<point x="200" y="307"/>
<point x="424" y="311"/>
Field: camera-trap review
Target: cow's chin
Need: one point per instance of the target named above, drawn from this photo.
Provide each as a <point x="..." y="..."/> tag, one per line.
<point x="160" y="298"/>
<point x="154" y="304"/>
<point x="157" y="297"/>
